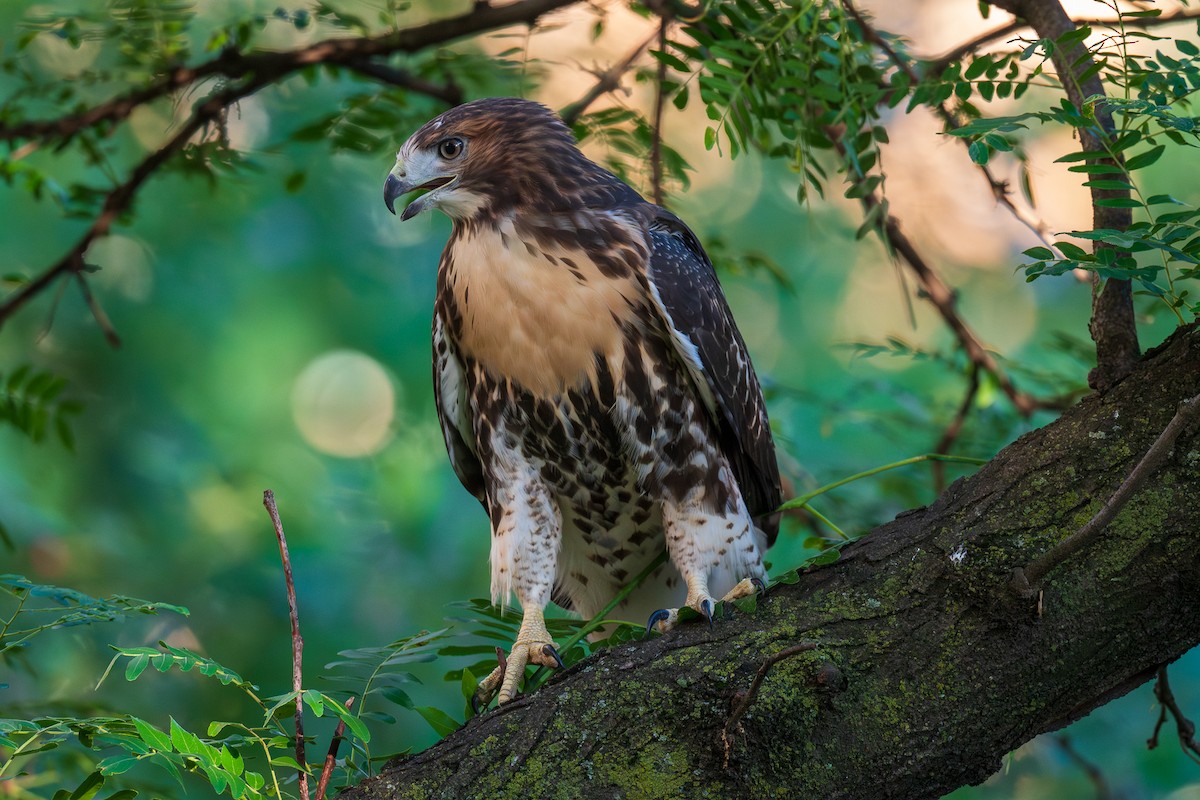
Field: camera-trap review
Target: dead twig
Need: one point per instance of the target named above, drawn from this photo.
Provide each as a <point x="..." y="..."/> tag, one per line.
<point x="607" y="81"/>
<point x="1025" y="581"/>
<point x="245" y="74"/>
<point x="744" y="699"/>
<point x="935" y="65"/>
<point x="1184" y="727"/>
<point x="297" y="639"/>
<point x="954" y="429"/>
<point x="656" y="166"/>
<point x="331" y="756"/>
<point x="1103" y="792"/>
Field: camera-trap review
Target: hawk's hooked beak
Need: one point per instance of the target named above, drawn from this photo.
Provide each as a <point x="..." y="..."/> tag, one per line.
<point x="395" y="186"/>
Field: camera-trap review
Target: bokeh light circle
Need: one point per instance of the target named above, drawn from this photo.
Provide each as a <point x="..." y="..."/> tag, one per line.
<point x="343" y="403"/>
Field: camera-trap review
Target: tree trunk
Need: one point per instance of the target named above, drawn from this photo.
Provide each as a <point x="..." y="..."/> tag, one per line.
<point x="922" y="667"/>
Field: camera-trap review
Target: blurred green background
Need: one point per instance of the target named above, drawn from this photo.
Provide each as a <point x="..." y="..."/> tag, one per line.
<point x="276" y="335"/>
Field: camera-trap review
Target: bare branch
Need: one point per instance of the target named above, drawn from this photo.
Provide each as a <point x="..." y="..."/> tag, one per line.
<point x="331" y="756"/>
<point x="255" y="71"/>
<point x="607" y="81"/>
<point x="744" y="699"/>
<point x="297" y="640"/>
<point x="936" y="65"/>
<point x="1184" y="727"/>
<point x="1113" y="327"/>
<point x="951" y="434"/>
<point x="1099" y="782"/>
<point x="233" y="64"/>
<point x="449" y="92"/>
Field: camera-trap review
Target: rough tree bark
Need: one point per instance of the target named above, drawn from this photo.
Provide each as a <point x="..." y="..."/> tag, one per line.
<point x="922" y="667"/>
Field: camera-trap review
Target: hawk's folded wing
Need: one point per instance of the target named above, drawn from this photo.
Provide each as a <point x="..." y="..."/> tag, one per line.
<point x="685" y="288"/>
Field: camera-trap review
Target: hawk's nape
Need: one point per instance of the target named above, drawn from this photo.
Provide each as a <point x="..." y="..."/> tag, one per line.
<point x="593" y="389"/>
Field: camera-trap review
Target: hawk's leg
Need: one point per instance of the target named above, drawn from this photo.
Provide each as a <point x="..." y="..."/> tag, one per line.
<point x="700" y="541"/>
<point x="533" y="646"/>
<point x="526" y="529"/>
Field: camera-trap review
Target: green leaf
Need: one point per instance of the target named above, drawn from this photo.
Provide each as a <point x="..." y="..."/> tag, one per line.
<point x="468" y="684"/>
<point x="115" y="765"/>
<point x="710" y="138"/>
<point x="979" y="151"/>
<point x="88" y="788"/>
<point x="1145" y="159"/>
<point x="137" y="665"/>
<point x="1108" y="183"/>
<point x="152" y="736"/>
<point x="1119" y="202"/>
<point x="1042" y="253"/>
<point x="1073" y="251"/>
<point x="672" y="61"/>
<point x="439" y="720"/>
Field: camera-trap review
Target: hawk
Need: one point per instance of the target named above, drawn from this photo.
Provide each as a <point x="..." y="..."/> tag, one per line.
<point x="593" y="390"/>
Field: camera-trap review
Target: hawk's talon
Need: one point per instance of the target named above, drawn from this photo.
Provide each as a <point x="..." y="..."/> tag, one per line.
<point x="706" y="608"/>
<point x="761" y="586"/>
<point x="549" y="651"/>
<point x="660" y="616"/>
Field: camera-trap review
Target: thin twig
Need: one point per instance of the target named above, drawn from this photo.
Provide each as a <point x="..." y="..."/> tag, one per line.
<point x="331" y="756"/>
<point x="936" y="65"/>
<point x="254" y="72"/>
<point x="999" y="188"/>
<point x="1184" y="727"/>
<point x="1025" y="581"/>
<point x="297" y="640"/>
<point x="449" y="93"/>
<point x="744" y="699"/>
<point x="102" y="319"/>
<point x="954" y="429"/>
<point x="660" y="97"/>
<point x="607" y="81"/>
<point x="233" y="64"/>
<point x="120" y="198"/>
<point x="1103" y="792"/>
<point x="943" y="299"/>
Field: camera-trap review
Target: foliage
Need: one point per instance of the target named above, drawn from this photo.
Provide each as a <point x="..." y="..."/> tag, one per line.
<point x="812" y="86"/>
<point x="31" y="402"/>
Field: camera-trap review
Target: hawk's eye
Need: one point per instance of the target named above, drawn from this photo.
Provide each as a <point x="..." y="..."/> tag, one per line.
<point x="451" y="149"/>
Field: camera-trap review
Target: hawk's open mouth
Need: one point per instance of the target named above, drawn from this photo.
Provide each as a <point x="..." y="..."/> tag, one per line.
<point x="435" y="183"/>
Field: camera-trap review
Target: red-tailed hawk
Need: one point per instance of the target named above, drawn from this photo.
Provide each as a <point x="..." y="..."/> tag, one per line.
<point x="594" y="392"/>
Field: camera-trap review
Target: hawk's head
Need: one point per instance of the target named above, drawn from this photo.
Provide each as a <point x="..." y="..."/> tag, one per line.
<point x="487" y="156"/>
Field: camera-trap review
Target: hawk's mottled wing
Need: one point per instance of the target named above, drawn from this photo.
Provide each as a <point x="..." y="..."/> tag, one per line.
<point x="450" y="396"/>
<point x="685" y="287"/>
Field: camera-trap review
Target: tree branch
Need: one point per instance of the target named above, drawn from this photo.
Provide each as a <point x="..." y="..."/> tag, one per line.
<point x="350" y="52"/>
<point x="936" y="65"/>
<point x="1185" y="729"/>
<point x="942" y="297"/>
<point x="297" y="641"/>
<point x="1113" y="327"/>
<point x="939" y="670"/>
<point x="607" y="81"/>
<point x="254" y="71"/>
<point x="1026" y="580"/>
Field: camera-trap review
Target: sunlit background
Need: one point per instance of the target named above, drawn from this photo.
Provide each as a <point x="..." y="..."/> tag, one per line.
<point x="277" y="339"/>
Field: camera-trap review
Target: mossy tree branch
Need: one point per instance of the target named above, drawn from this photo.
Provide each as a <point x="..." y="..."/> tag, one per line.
<point x="920" y="668"/>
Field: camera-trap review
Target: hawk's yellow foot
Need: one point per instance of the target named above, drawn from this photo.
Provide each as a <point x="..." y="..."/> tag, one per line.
<point x="699" y="600"/>
<point x="533" y="646"/>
